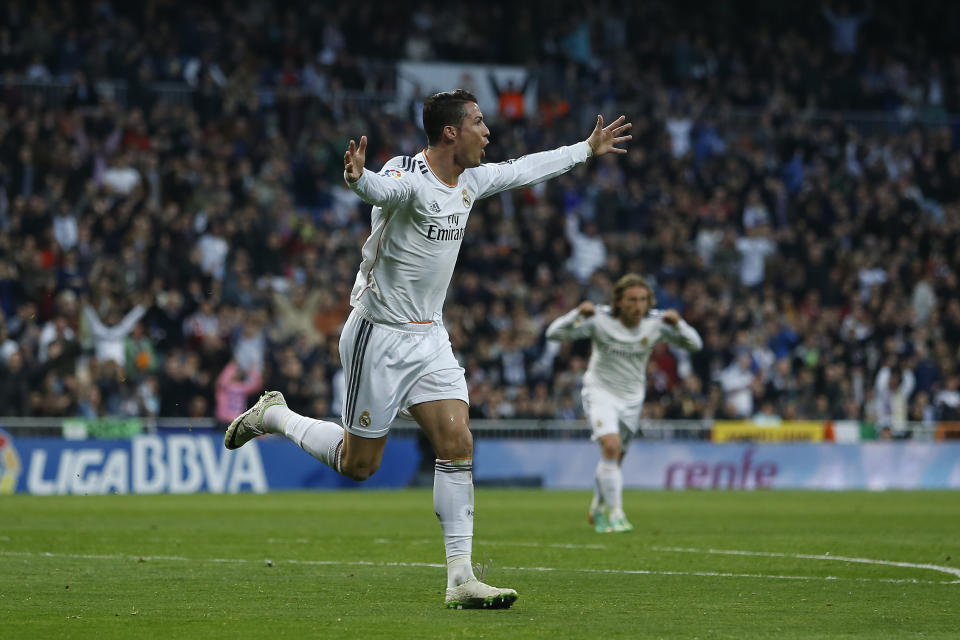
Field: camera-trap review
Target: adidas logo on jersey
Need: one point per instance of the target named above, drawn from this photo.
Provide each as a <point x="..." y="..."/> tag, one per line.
<point x="434" y="207"/>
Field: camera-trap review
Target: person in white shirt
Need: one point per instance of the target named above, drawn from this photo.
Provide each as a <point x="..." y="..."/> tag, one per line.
<point x="893" y="387"/>
<point x="754" y="249"/>
<point x="109" y="339"/>
<point x="587" y="251"/>
<point x="395" y="351"/>
<point x="614" y="385"/>
<point x="736" y="380"/>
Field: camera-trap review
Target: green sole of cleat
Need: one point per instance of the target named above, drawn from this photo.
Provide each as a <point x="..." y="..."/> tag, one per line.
<point x="496" y="602"/>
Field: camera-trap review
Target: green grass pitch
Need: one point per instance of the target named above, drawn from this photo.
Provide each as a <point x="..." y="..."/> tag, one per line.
<point x="368" y="564"/>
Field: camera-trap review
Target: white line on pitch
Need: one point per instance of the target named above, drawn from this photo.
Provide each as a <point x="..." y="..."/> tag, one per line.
<point x="554" y="545"/>
<point x="494" y="543"/>
<point x="809" y="556"/>
<point x="288" y="540"/>
<point x="434" y="565"/>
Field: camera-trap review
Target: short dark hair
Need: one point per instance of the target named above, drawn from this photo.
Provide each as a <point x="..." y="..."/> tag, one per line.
<point x="442" y="109"/>
<point x="624" y="283"/>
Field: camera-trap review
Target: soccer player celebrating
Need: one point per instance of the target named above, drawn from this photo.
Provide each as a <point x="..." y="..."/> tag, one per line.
<point x="395" y="350"/>
<point x="614" y="384"/>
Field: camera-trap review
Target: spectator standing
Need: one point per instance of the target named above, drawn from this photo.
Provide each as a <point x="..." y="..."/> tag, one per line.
<point x="109" y="339"/>
<point x="234" y="385"/>
<point x="588" y="252"/>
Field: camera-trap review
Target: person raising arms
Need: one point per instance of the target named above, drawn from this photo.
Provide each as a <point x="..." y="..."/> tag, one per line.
<point x="395" y="350"/>
<point x="614" y="385"/>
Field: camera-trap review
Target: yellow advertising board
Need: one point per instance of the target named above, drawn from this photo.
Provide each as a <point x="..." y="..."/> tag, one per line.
<point x="789" y="431"/>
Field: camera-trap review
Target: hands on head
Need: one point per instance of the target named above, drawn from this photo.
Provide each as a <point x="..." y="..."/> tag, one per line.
<point x="604" y="139"/>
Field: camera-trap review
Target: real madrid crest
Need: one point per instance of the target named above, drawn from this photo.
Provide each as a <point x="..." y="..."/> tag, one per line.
<point x="466" y="199"/>
<point x="365" y="419"/>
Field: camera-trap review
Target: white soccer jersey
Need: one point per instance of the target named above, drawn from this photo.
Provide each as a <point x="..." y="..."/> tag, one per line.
<point x="619" y="354"/>
<point x="418" y="223"/>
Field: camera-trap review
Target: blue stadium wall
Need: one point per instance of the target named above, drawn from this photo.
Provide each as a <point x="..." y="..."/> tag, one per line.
<point x="199" y="463"/>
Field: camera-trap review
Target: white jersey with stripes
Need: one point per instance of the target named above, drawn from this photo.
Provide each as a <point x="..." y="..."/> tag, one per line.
<point x="619" y="354"/>
<point x="417" y="227"/>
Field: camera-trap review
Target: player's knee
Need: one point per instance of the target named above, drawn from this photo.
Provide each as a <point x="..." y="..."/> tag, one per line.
<point x="360" y="474"/>
<point x="358" y="470"/>
<point x="610" y="448"/>
<point x="457" y="444"/>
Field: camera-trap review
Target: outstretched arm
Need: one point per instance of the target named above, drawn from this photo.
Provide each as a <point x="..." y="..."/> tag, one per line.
<point x="493" y="83"/>
<point x="537" y="167"/>
<point x="228" y="373"/>
<point x="97" y="328"/>
<point x="571" y="227"/>
<point x="389" y="187"/>
<point x="130" y="320"/>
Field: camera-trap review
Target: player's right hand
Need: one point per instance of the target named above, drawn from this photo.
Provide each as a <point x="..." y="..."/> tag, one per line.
<point x="354" y="159"/>
<point x="586" y="309"/>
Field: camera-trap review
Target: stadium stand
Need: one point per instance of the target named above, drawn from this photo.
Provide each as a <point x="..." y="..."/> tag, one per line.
<point x="793" y="189"/>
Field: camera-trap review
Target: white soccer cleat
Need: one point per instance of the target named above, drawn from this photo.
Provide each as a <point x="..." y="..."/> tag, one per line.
<point x="620" y="524"/>
<point x="249" y="424"/>
<point x="474" y="594"/>
<point x="598" y="518"/>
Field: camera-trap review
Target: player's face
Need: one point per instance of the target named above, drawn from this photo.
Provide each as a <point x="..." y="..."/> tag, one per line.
<point x="472" y="138"/>
<point x="634" y="304"/>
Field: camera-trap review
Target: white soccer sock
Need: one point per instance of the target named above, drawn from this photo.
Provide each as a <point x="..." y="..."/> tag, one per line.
<point x="275" y="417"/>
<point x="319" y="438"/>
<point x="610" y="483"/>
<point x="453" y="504"/>
<point x="459" y="570"/>
<point x="597" y="501"/>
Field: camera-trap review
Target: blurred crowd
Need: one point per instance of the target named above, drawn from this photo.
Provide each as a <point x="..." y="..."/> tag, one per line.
<point x="162" y="256"/>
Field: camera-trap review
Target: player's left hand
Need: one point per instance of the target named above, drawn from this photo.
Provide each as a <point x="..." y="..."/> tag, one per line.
<point x="604" y="139"/>
<point x="671" y="317"/>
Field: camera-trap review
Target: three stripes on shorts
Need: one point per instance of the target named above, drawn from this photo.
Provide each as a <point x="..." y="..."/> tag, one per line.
<point x="353" y="385"/>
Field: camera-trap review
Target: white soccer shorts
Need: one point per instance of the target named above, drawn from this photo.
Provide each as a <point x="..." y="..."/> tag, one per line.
<point x="390" y="368"/>
<point x="608" y="413"/>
